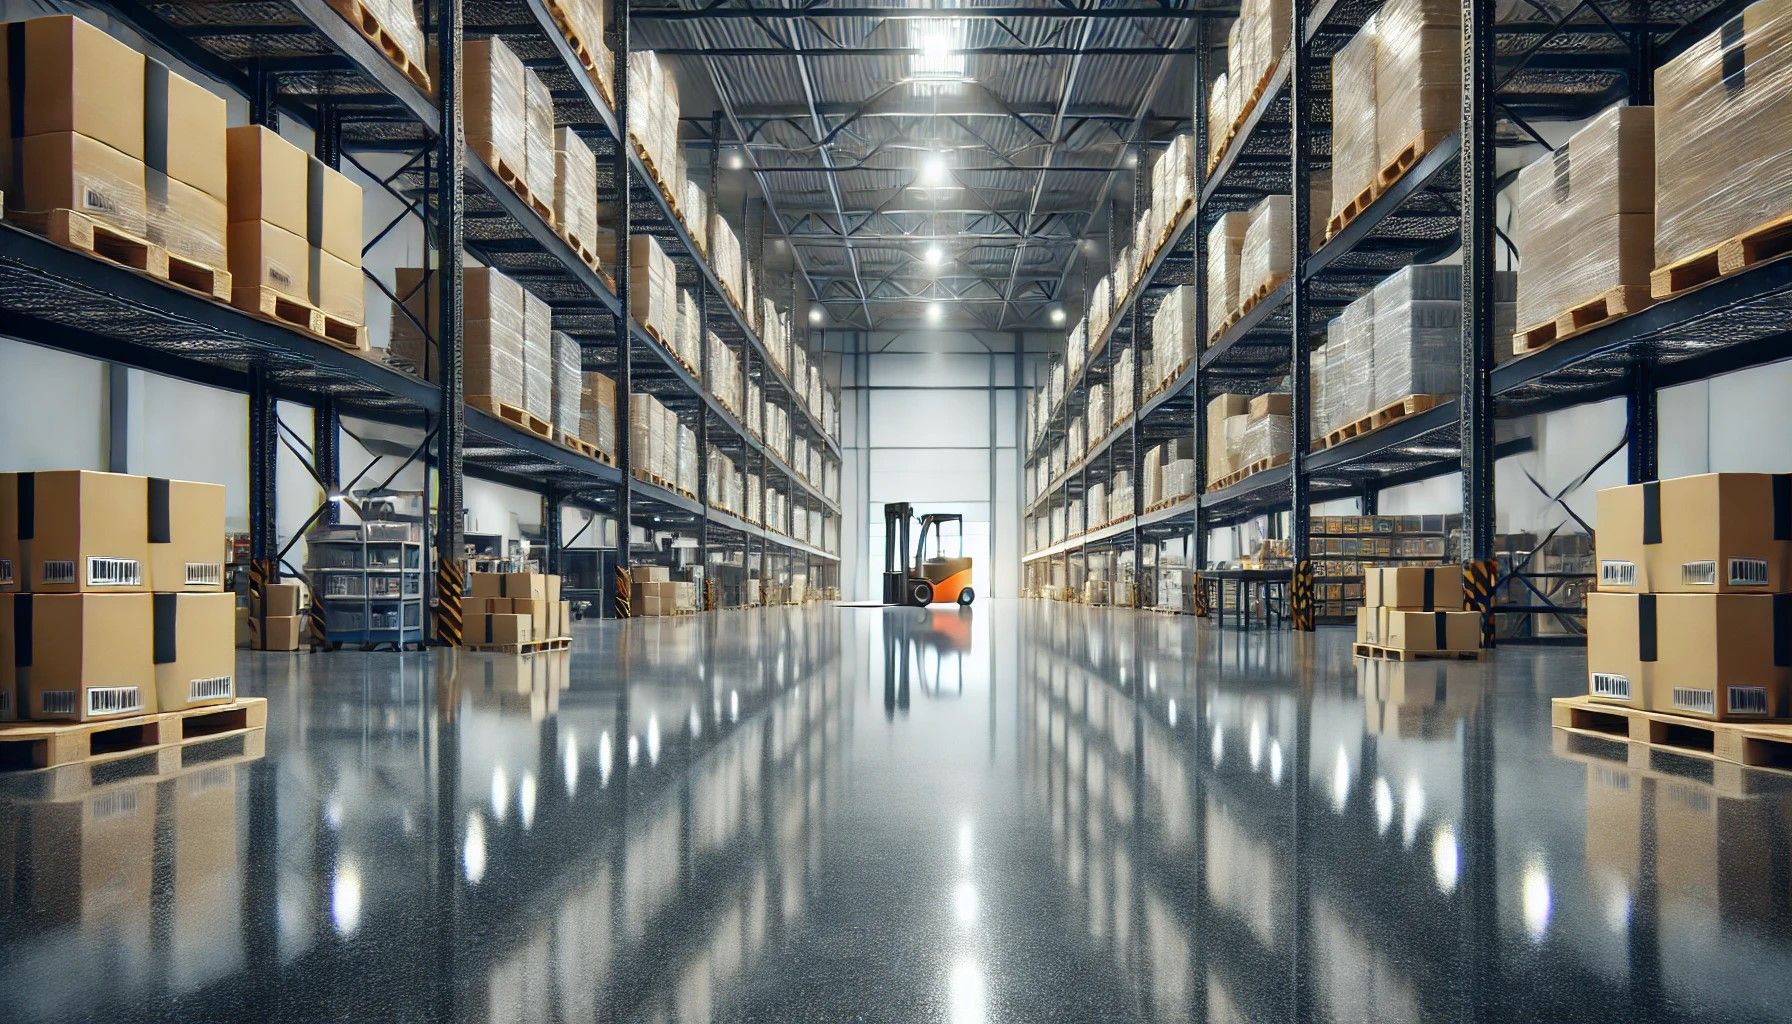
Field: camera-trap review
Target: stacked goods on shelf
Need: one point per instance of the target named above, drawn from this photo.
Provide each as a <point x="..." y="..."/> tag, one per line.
<point x="538" y="358"/>
<point x="725" y="257"/>
<point x="575" y="191"/>
<point x="653" y="288"/>
<point x="725" y="482"/>
<point x="492" y="343"/>
<point x="1417" y="610"/>
<point x="568" y="384"/>
<point x="515" y="609"/>
<point x="597" y="412"/>
<point x="1268" y="430"/>
<point x="495" y="102"/>
<point x="1689" y="618"/>
<point x="541" y="160"/>
<point x="398" y="26"/>
<point x="1076" y="521"/>
<point x="1265" y="252"/>
<point x="1075" y="349"/>
<point x="1723" y="154"/>
<point x="1100" y="417"/>
<point x="724" y="374"/>
<point x="687" y="460"/>
<point x="112" y="598"/>
<point x="755" y="410"/>
<point x="1220" y="114"/>
<point x="653" y="107"/>
<point x="1344" y="549"/>
<point x="1225" y="250"/>
<point x="1355" y="158"/>
<point x="1076" y="439"/>
<point x="582" y="22"/>
<point x="1173" y="344"/>
<point x="1253" y="50"/>
<point x="1121" y="396"/>
<point x="1120" y="496"/>
<point x="1221" y="411"/>
<point x="1586" y="228"/>
<point x="687" y="341"/>
<point x="1100" y="311"/>
<point x="1096" y="501"/>
<point x="755" y="485"/>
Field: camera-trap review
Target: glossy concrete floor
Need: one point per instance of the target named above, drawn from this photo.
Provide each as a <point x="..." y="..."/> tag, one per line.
<point x="1029" y="813"/>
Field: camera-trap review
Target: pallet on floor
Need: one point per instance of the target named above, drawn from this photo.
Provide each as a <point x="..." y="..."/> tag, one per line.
<point x="1401" y="654"/>
<point x="1754" y="744"/>
<point x="1269" y="462"/>
<point x="520" y="418"/>
<point x="28" y="746"/>
<point x="366" y="23"/>
<point x="1611" y="304"/>
<point x="1390" y="174"/>
<point x="75" y="230"/>
<point x="1393" y="412"/>
<point x="1759" y="244"/>
<point x="559" y="643"/>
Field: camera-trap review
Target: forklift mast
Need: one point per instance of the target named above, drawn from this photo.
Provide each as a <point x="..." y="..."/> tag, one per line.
<point x="896" y="568"/>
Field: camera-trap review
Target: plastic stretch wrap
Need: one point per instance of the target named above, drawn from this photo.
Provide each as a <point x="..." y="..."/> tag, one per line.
<point x="724" y="253"/>
<point x="568" y="383"/>
<point x="1077" y="439"/>
<point x="1232" y="436"/>
<point x="399" y="19"/>
<point x="1262" y="37"/>
<point x="1179" y="478"/>
<point x="724" y="373"/>
<point x="1265" y="437"/>
<point x="1219" y="105"/>
<point x="538" y="135"/>
<point x="1122" y="393"/>
<point x="597" y="412"/>
<point x="1350" y="363"/>
<point x="494" y="96"/>
<point x="1120" y="500"/>
<point x="1418" y="340"/>
<point x="538" y="357"/>
<point x="1723" y="112"/>
<point x="1100" y="416"/>
<point x="1100" y="309"/>
<point x="1267" y="252"/>
<point x="1418" y="76"/>
<point x="178" y="217"/>
<point x="687" y="459"/>
<point x="1073" y="357"/>
<point x="1318" y="374"/>
<point x="493" y="339"/>
<point x="1225" y="248"/>
<point x="1586" y="215"/>
<point x="575" y="187"/>
<point x="693" y="205"/>
<point x="653" y="110"/>
<point x="755" y="409"/>
<point x="1173" y="333"/>
<point x="1355" y="158"/>
<point x="653" y="287"/>
<point x="1097" y="503"/>
<point x="690" y="329"/>
<point x="755" y="503"/>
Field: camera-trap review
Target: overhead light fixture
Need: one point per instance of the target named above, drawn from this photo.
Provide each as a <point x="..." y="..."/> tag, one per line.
<point x="934" y="312"/>
<point x="935" y="256"/>
<point x="939" y="62"/>
<point x="934" y="170"/>
<point x="816" y="315"/>
<point x="1132" y="157"/>
<point x="1058" y="315"/>
<point x="735" y="160"/>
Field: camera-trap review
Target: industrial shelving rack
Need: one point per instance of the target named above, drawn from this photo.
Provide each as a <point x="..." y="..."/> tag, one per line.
<point x="369" y="579"/>
<point x="302" y="59"/>
<point x="1564" y="62"/>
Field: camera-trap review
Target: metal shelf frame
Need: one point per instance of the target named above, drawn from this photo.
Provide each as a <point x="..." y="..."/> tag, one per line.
<point x="1566" y="67"/>
<point x="301" y="59"/>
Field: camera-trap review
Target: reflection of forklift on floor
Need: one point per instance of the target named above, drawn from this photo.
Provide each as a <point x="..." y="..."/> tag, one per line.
<point x="925" y="581"/>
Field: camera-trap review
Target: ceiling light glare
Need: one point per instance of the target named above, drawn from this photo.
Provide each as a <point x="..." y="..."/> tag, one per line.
<point x="935" y="256"/>
<point x="935" y="311"/>
<point x="816" y="315"/>
<point x="736" y="161"/>
<point x="1058" y="315"/>
<point x="934" y="170"/>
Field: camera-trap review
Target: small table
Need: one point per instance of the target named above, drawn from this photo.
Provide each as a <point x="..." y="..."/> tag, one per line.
<point x="1272" y="584"/>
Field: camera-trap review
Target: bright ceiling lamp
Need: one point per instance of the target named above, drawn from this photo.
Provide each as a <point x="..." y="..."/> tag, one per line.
<point x="934" y="170"/>
<point x="816" y="315"/>
<point x="1058" y="315"/>
<point x="735" y="160"/>
<point x="935" y="256"/>
<point x="939" y="62"/>
<point x="935" y="312"/>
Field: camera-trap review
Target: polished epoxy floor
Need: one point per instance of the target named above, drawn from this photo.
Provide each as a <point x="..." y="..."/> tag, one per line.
<point x="1032" y="812"/>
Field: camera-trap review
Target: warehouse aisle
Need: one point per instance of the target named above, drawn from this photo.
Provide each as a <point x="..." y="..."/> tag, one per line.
<point x="1030" y="812"/>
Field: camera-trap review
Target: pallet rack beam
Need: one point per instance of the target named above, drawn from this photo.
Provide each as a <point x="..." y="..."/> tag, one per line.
<point x="1478" y="197"/>
<point x="450" y="426"/>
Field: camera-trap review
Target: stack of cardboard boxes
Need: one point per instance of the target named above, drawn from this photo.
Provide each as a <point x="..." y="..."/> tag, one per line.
<point x="1416" y="609"/>
<point x="1397" y="83"/>
<point x="295" y="228"/>
<point x="575" y="189"/>
<point x="509" y="119"/>
<point x="282" y="627"/>
<point x="654" y="592"/>
<point x="514" y="608"/>
<point x="1242" y="430"/>
<point x="653" y="287"/>
<point x="597" y="412"/>
<point x="1692" y="615"/>
<point x="507" y="340"/>
<point x="1225" y="250"/>
<point x="112" y="597"/>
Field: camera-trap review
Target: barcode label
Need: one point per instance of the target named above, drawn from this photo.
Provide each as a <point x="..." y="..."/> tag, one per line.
<point x="59" y="571"/>
<point x="1698" y="574"/>
<point x="279" y="277"/>
<point x="97" y="200"/>
<point x="1610" y="685"/>
<point x="205" y="574"/>
<point x="1702" y="701"/>
<point x="6" y="572"/>
<point x="119" y="803"/>
<point x="114" y="572"/>
<point x="1748" y="572"/>
<point x="114" y="700"/>
<point x="56" y="702"/>
<point x="6" y="703"/>
<point x="214" y="688"/>
<point x="1617" y="574"/>
<point x="1748" y="700"/>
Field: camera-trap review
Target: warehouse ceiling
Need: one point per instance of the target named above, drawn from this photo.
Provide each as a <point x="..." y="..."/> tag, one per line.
<point x="933" y="168"/>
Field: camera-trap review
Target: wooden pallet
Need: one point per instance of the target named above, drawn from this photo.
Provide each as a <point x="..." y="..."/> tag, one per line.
<point x="1613" y="303"/>
<point x="1254" y="468"/>
<point x="1389" y="175"/>
<point x="1755" y="744"/>
<point x="270" y="304"/>
<point x="1400" y="654"/>
<point x="1244" y="114"/>
<point x="514" y="179"/>
<point x="366" y="23"/>
<point x="578" y="45"/>
<point x="28" y="746"/>
<point x="1393" y="412"/>
<point x="578" y="444"/>
<point x="584" y="252"/>
<point x="1766" y="241"/>
<point x="1261" y="292"/>
<point x="559" y="643"/>
<point x="76" y="230"/>
<point x="522" y="419"/>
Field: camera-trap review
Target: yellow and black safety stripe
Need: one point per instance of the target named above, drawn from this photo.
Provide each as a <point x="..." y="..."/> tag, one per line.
<point x="624" y="583"/>
<point x="450" y="586"/>
<point x="712" y="595"/>
<point x="1202" y="608"/>
<point x="318" y="625"/>
<point x="1300" y="597"/>
<point x="1478" y="578"/>
<point x="261" y="573"/>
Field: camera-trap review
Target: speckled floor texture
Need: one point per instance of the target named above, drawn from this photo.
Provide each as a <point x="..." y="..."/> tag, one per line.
<point x="1028" y="812"/>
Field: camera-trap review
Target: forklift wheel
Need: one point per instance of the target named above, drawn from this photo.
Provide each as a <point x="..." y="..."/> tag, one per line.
<point x="921" y="593"/>
<point x="966" y="596"/>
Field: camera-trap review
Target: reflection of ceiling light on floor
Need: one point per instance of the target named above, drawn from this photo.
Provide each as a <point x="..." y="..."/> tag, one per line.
<point x="472" y="853"/>
<point x="964" y="904"/>
<point x="525" y="800"/>
<point x="345" y="898"/>
<point x="570" y="764"/>
<point x="1446" y="859"/>
<point x="1172" y="712"/>
<point x="1384" y="806"/>
<point x="1534" y="891"/>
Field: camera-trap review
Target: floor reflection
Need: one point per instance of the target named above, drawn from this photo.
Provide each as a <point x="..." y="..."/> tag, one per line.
<point x="1026" y="812"/>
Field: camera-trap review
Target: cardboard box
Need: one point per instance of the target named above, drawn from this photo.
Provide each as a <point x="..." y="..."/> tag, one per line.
<point x="333" y="212"/>
<point x="1369" y="621"/>
<point x="66" y="171"/>
<point x="269" y="181"/>
<point x="493" y="105"/>
<point x="1431" y="631"/>
<point x="337" y="288"/>
<point x="1622" y="648"/>
<point x="70" y="531"/>
<point x="76" y="79"/>
<point x="1720" y="655"/>
<point x="536" y="610"/>
<point x="186" y="536"/>
<point x="184" y="131"/>
<point x="192" y="645"/>
<point x="268" y="256"/>
<point x="1276" y="403"/>
<point x="1415" y="588"/>
<point x="77" y="657"/>
<point x="282" y="599"/>
<point x="188" y="223"/>
<point x="244" y="635"/>
<point x="500" y="629"/>
<point x="1712" y="533"/>
<point x="526" y="585"/>
<point x="278" y="633"/>
<point x="650" y="573"/>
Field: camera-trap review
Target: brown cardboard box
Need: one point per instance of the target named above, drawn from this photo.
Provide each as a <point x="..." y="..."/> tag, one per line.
<point x="193" y="649"/>
<point x="1720" y="655"/>
<point x="333" y="212"/>
<point x="78" y="657"/>
<point x="266" y="255"/>
<point x="337" y="289"/>
<point x="1622" y="648"/>
<point x="1437" y="588"/>
<point x="282" y="599"/>
<point x="1713" y="533"/>
<point x="188" y="223"/>
<point x="186" y="536"/>
<point x="269" y="181"/>
<point x="68" y="531"/>
<point x="184" y="126"/>
<point x="500" y="629"/>
<point x="1276" y="403"/>
<point x="563" y="619"/>
<point x="1431" y="631"/>
<point x="536" y="611"/>
<point x="526" y="585"/>
<point x="77" y="79"/>
<point x="1369" y="621"/>
<point x="650" y="573"/>
<point x="280" y="633"/>
<point x="492" y="87"/>
<point x="66" y="171"/>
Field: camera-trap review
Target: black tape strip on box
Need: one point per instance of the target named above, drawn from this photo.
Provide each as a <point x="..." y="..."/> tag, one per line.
<point x="1430" y="590"/>
<point x="1645" y="628"/>
<point x="1441" y="629"/>
<point x="1782" y="630"/>
<point x="316" y="172"/>
<point x="1782" y="506"/>
<point x="167" y="619"/>
<point x="161" y="525"/>
<point x="27" y="506"/>
<point x="155" y="130"/>
<point x="488" y="627"/>
<point x="1652" y="512"/>
<point x="21" y="631"/>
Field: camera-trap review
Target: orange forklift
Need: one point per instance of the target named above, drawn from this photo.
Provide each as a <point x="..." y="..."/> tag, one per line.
<point x="928" y="580"/>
